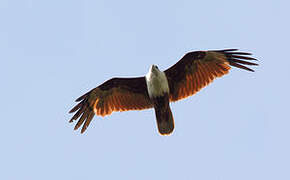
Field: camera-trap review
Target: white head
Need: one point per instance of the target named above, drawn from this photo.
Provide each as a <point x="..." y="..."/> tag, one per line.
<point x="154" y="69"/>
<point x="157" y="83"/>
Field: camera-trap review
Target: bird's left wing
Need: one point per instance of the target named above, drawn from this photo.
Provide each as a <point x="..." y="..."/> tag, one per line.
<point x="117" y="94"/>
<point x="197" y="69"/>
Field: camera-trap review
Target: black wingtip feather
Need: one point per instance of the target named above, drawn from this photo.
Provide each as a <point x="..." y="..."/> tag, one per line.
<point x="226" y="50"/>
<point x="240" y="53"/>
<point x="244" y="62"/>
<point x="242" y="57"/>
<point x="82" y="97"/>
<point x="241" y="66"/>
<point x="74" y="109"/>
<point x="237" y="58"/>
<point x="77" y="115"/>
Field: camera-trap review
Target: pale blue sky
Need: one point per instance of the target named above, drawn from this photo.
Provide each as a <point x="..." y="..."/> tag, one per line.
<point x="54" y="51"/>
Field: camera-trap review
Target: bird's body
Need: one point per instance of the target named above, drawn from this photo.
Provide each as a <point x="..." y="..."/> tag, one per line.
<point x="158" y="88"/>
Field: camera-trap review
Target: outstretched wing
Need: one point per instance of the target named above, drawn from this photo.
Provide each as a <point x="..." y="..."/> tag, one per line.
<point x="117" y="94"/>
<point x="197" y="69"/>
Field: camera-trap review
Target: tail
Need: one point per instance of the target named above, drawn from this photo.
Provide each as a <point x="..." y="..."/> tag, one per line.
<point x="165" y="121"/>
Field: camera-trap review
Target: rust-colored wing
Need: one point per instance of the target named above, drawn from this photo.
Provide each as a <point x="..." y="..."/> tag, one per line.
<point x="197" y="69"/>
<point x="117" y="94"/>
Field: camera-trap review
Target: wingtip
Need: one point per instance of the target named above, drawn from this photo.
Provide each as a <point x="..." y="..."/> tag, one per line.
<point x="76" y="127"/>
<point x="82" y="97"/>
<point x="79" y="99"/>
<point x="83" y="129"/>
<point x="226" y="50"/>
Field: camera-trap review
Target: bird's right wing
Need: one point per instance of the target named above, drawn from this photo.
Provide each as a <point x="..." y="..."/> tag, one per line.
<point x="117" y="94"/>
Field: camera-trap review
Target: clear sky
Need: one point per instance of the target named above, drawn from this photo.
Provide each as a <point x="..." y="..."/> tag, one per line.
<point x="51" y="52"/>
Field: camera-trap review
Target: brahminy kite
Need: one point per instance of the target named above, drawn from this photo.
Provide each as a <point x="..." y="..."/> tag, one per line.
<point x="158" y="88"/>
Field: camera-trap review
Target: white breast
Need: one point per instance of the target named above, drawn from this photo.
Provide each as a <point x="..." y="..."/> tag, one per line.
<point x="157" y="84"/>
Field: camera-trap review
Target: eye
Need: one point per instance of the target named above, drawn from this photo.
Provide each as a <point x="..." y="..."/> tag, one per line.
<point x="156" y="67"/>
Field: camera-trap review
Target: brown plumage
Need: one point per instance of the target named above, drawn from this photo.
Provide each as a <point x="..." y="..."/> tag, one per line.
<point x="191" y="73"/>
<point x="197" y="69"/>
<point x="117" y="94"/>
<point x="164" y="117"/>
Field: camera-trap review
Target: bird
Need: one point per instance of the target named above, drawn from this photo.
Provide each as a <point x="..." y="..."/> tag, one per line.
<point x="157" y="89"/>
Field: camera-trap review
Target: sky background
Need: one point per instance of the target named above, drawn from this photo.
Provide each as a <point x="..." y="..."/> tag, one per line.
<point x="51" y="52"/>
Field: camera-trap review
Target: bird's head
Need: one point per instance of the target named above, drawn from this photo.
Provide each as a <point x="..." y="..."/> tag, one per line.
<point x="154" y="69"/>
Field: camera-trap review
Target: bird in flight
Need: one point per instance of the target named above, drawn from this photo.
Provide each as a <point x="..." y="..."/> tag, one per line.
<point x="158" y="88"/>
